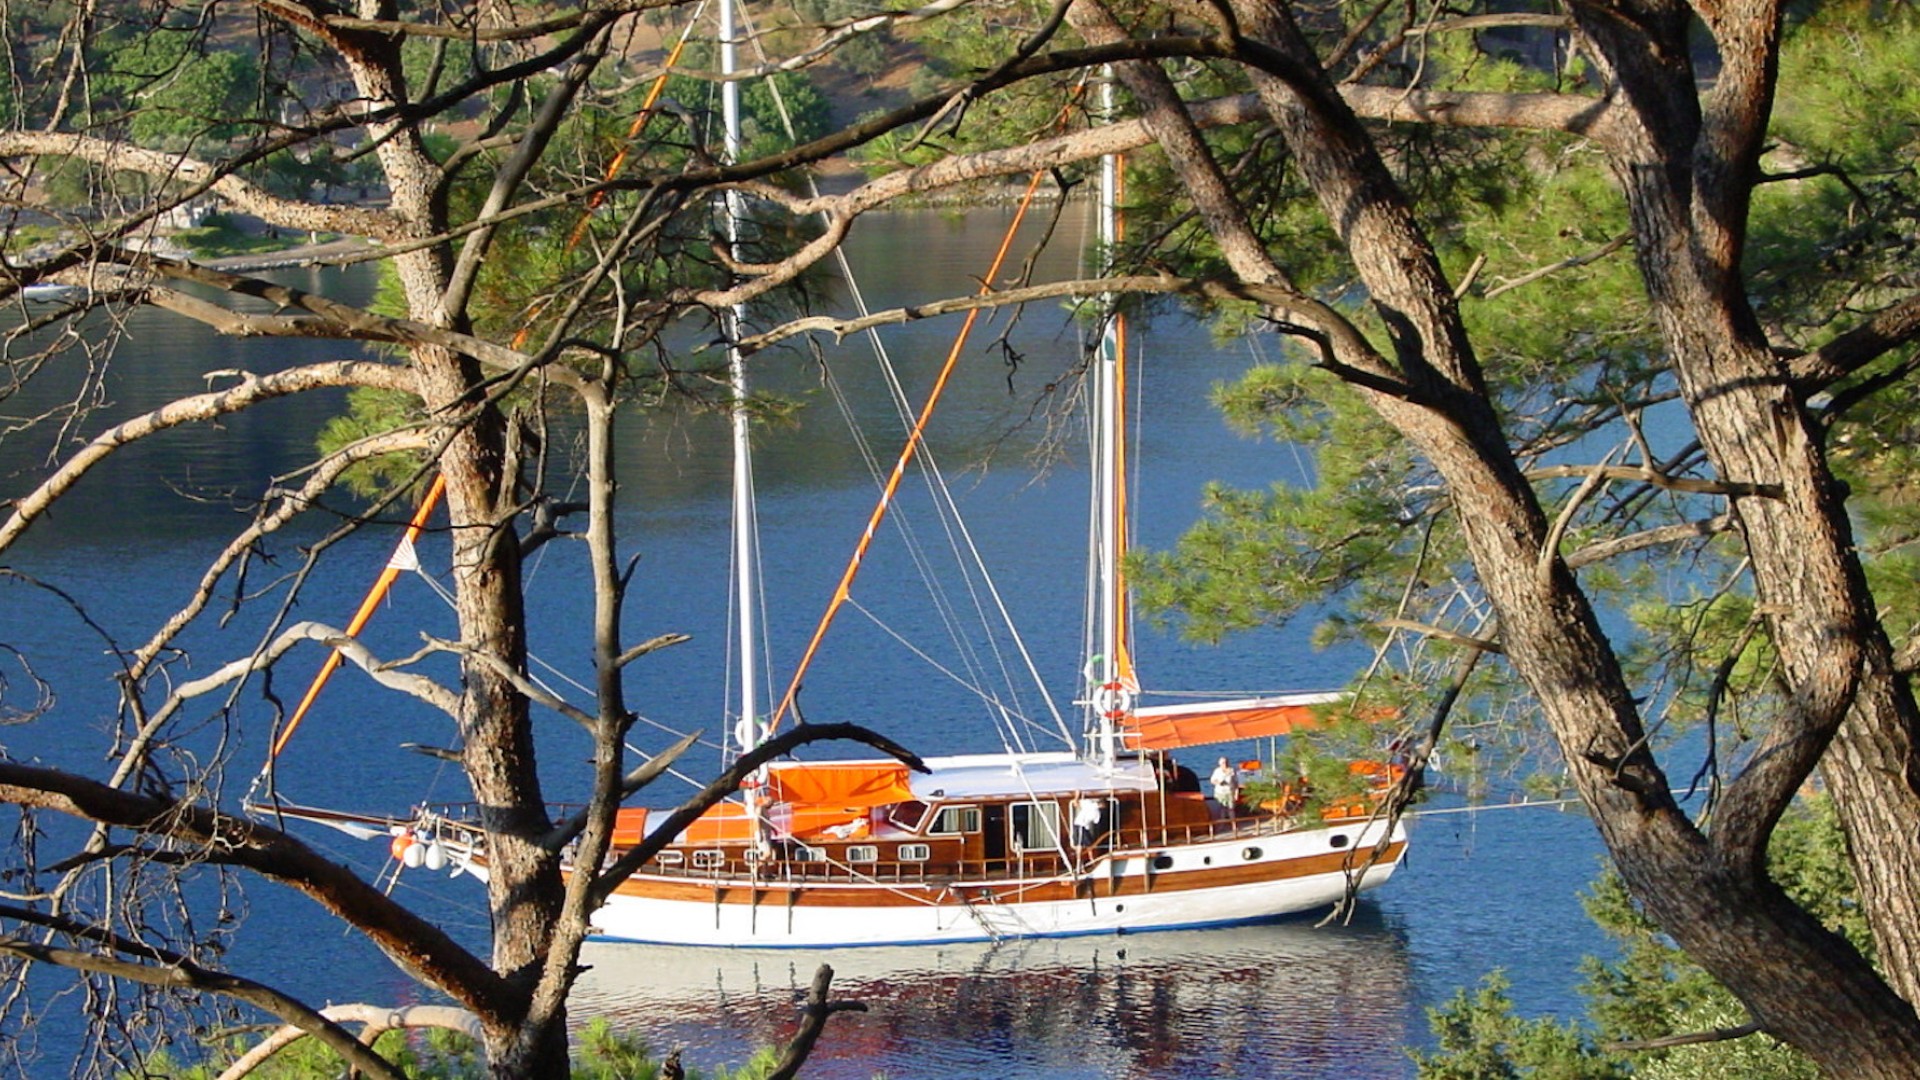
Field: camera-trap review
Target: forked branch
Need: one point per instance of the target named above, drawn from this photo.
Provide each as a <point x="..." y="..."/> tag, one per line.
<point x="164" y="968"/>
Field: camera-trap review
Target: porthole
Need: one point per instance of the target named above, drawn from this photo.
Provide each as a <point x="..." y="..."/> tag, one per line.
<point x="1338" y="840"/>
<point x="1250" y="853"/>
<point x="1206" y="860"/>
<point x="1163" y="862"/>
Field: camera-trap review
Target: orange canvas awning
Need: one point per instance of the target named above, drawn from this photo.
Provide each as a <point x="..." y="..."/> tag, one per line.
<point x="817" y="822"/>
<point x="1171" y="727"/>
<point x="840" y="784"/>
<point x="721" y="823"/>
<point x="629" y="826"/>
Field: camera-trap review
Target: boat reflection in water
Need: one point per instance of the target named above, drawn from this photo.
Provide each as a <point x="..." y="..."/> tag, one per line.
<point x="1267" y="1000"/>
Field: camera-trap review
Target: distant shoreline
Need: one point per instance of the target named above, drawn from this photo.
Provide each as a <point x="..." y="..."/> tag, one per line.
<point x="344" y="249"/>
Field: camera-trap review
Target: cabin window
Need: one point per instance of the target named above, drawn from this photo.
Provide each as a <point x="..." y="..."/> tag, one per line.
<point x="670" y="858"/>
<point x="1036" y="826"/>
<point x="707" y="858"/>
<point x="803" y="853"/>
<point x="956" y="819"/>
<point x="863" y="853"/>
<point x="914" y="852"/>
<point x="907" y="815"/>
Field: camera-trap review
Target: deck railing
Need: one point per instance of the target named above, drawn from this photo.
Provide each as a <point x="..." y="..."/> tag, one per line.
<point x="1014" y="866"/>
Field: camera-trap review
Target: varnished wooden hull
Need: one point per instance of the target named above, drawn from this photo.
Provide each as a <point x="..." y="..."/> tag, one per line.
<point x="1224" y="879"/>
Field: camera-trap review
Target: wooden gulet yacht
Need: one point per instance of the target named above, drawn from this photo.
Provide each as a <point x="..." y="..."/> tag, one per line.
<point x="1115" y="837"/>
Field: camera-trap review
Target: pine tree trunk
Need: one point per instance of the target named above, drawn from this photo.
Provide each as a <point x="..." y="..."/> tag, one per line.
<point x="1873" y="771"/>
<point x="525" y="889"/>
<point x="1804" y="984"/>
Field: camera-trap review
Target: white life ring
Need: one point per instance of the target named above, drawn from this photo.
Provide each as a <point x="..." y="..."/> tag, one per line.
<point x="1113" y="701"/>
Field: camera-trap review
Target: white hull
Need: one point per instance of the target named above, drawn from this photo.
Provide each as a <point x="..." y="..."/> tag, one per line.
<point x="1119" y="893"/>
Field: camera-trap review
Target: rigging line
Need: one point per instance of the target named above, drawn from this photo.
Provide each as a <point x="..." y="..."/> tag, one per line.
<point x="349" y="855"/>
<point x="766" y="636"/>
<point x="914" y="438"/>
<point x="916" y="550"/>
<point x="446" y="595"/>
<point x="1493" y="806"/>
<point x="949" y="517"/>
<point x="930" y="471"/>
<point x="959" y="536"/>
<point x="977" y="691"/>
<point x="434" y="586"/>
<point x="380" y="586"/>
<point x="929" y="468"/>
<point x="694" y="782"/>
<point x="573" y="489"/>
<point x="1216" y="695"/>
<point x="947" y="513"/>
<point x="874" y="338"/>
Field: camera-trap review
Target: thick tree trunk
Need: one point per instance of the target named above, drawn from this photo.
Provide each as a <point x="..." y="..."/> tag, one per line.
<point x="525" y="889"/>
<point x="1711" y="893"/>
<point x="1686" y="173"/>
<point x="1802" y="983"/>
<point x="1873" y="770"/>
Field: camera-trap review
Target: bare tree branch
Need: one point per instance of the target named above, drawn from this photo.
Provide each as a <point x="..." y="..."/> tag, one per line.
<point x="161" y="967"/>
<point x="1888" y="329"/>
<point x="242" y="195"/>
<point x="377" y="1019"/>
<point x="1692" y="1038"/>
<point x="248" y="390"/>
<point x="413" y="943"/>
<point x="1732" y="489"/>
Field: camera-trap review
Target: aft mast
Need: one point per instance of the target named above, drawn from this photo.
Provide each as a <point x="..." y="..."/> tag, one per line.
<point x="748" y="730"/>
<point x="1113" y="699"/>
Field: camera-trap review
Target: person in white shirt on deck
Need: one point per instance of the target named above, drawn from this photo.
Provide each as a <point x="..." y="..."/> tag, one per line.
<point x="1226" y="786"/>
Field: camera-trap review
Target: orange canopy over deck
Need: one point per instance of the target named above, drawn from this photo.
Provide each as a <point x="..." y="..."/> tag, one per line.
<point x="1171" y="727"/>
<point x="841" y="784"/>
<point x="809" y="798"/>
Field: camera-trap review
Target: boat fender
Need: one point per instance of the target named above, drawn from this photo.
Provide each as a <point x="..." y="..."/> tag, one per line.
<point x="401" y="844"/>
<point x="435" y="857"/>
<point x="414" y="855"/>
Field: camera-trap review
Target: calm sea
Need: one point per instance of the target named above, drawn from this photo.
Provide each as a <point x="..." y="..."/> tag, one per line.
<point x="1493" y="889"/>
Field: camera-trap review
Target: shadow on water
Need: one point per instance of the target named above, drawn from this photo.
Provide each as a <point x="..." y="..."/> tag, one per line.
<point x="1271" y="999"/>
